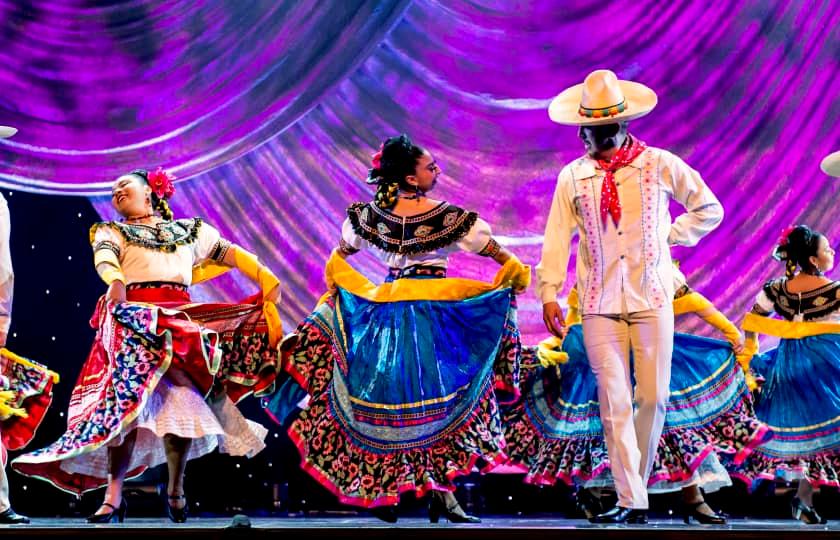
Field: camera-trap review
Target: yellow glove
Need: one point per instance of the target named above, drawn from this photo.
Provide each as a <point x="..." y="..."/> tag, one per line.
<point x="248" y="264"/>
<point x="6" y="408"/>
<point x="743" y="359"/>
<point x="573" y="315"/>
<point x="549" y="353"/>
<point x="107" y="264"/>
<point x="729" y="330"/>
<point x="521" y="278"/>
<point x="109" y="274"/>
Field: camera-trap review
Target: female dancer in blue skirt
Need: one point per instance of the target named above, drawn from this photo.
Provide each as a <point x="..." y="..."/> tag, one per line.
<point x="800" y="399"/>
<point x="402" y="377"/>
<point x="554" y="431"/>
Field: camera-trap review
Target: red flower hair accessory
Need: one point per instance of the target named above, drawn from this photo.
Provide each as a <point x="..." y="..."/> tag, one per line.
<point x="376" y="159"/>
<point x="161" y="183"/>
<point x="783" y="239"/>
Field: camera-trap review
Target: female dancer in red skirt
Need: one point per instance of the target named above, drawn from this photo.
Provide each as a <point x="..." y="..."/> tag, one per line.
<point x="161" y="367"/>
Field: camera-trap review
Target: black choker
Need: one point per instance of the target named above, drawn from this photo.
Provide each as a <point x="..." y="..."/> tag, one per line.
<point x="138" y="218"/>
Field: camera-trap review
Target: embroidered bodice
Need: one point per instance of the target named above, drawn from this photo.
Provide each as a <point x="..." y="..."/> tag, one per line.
<point x="425" y="239"/>
<point x="164" y="251"/>
<point x="821" y="304"/>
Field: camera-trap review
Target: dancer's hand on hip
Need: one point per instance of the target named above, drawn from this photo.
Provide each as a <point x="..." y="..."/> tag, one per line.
<point x="554" y="319"/>
<point x="116" y="292"/>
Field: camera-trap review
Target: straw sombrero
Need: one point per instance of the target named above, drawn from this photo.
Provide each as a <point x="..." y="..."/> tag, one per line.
<point x="831" y="164"/>
<point x="601" y="99"/>
<point x="6" y="132"/>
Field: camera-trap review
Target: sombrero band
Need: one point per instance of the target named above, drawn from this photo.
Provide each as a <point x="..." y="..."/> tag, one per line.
<point x="603" y="112"/>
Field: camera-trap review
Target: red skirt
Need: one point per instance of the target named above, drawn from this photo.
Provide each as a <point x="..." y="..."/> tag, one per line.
<point x="32" y="387"/>
<point x="158" y="332"/>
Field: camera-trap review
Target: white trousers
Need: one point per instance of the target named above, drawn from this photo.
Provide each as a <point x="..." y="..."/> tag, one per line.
<point x="4" y="490"/>
<point x="631" y="438"/>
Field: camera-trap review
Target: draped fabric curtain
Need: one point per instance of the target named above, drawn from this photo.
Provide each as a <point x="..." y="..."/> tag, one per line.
<point x="269" y="112"/>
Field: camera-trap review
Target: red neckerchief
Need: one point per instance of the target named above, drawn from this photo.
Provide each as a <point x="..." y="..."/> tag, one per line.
<point x="610" y="205"/>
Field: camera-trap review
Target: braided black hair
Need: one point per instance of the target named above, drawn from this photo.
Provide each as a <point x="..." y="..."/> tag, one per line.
<point x="797" y="248"/>
<point x="159" y="204"/>
<point x="398" y="159"/>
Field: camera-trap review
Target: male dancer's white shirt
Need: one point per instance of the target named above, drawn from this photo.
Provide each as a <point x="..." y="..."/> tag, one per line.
<point x="624" y="268"/>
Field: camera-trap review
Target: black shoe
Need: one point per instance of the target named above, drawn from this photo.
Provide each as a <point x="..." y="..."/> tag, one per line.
<point x="692" y="510"/>
<point x="388" y="514"/>
<point x="116" y="515"/>
<point x="10" y="517"/>
<point x="453" y="514"/>
<point x="177" y="515"/>
<point x="622" y="515"/>
<point x="804" y="513"/>
<point x="588" y="504"/>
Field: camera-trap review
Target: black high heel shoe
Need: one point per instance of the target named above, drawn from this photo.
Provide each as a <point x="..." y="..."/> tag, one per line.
<point x="388" y="514"/>
<point x="692" y="510"/>
<point x="116" y="515"/>
<point x="804" y="513"/>
<point x="437" y="508"/>
<point x="177" y="515"/>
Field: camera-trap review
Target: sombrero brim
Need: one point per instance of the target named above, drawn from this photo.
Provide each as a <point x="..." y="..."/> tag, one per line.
<point x="831" y="164"/>
<point x="7" y="131"/>
<point x="564" y="108"/>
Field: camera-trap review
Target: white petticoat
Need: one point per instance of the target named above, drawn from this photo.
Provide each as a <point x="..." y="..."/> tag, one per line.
<point x="180" y="411"/>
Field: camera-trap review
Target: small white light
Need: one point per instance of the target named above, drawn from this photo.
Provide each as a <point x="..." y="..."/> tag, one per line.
<point x="250" y="476"/>
<point x="79" y="214"/>
<point x="238" y="466"/>
<point x="14" y="334"/>
<point x="33" y="246"/>
<point x="53" y="338"/>
<point x="69" y="257"/>
<point x="61" y="414"/>
<point x="270" y="465"/>
<point x="48" y="291"/>
<point x="25" y="487"/>
<point x="78" y="304"/>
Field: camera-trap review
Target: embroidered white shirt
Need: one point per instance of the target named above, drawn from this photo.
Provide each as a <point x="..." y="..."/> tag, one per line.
<point x="473" y="242"/>
<point x="626" y="266"/>
<point x="141" y="264"/>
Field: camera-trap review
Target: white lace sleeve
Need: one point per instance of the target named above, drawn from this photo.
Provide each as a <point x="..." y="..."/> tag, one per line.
<point x="479" y="240"/>
<point x="350" y="242"/>
<point x="763" y="302"/>
<point x="209" y="244"/>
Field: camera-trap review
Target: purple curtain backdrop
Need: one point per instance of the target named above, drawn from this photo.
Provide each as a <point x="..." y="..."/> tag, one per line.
<point x="270" y="111"/>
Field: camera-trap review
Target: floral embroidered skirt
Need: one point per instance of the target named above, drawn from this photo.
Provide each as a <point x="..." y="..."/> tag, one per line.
<point x="26" y="387"/>
<point x="554" y="431"/>
<point x="160" y="365"/>
<point x="800" y="401"/>
<point x="403" y="389"/>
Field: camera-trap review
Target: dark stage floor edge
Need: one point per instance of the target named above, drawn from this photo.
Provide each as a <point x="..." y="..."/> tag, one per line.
<point x="371" y="529"/>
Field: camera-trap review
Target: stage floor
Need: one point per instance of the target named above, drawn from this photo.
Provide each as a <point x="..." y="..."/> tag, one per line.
<point x="413" y="527"/>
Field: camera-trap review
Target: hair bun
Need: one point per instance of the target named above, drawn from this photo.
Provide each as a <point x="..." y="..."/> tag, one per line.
<point x="796" y="247"/>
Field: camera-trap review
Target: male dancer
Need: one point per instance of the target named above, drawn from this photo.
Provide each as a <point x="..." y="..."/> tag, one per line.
<point x="616" y="197"/>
